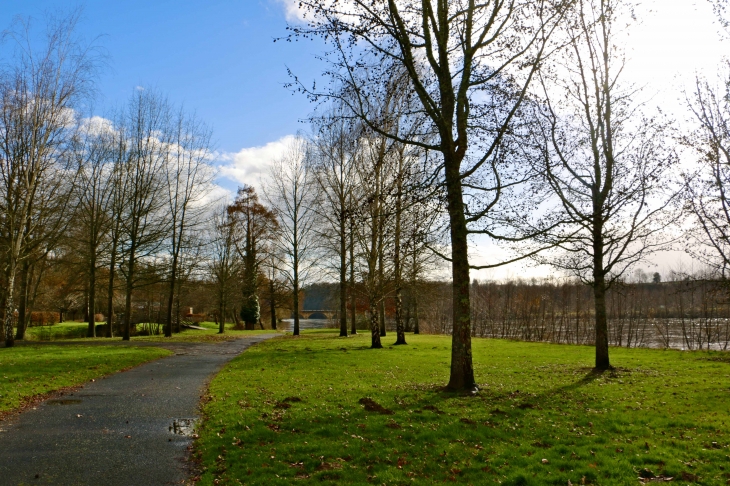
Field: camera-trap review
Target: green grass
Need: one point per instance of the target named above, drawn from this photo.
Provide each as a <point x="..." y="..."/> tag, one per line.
<point x="76" y="331"/>
<point x="30" y="371"/>
<point x="64" y="330"/>
<point x="664" y="411"/>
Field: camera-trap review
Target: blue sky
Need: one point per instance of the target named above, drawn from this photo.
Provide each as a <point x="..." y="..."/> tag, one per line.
<point x="215" y="56"/>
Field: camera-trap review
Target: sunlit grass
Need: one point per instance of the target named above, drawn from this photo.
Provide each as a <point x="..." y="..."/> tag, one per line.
<point x="659" y="413"/>
<point x="29" y="371"/>
<point x="76" y="331"/>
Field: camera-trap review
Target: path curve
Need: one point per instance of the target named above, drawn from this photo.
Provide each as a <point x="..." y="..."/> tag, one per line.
<point x="118" y="430"/>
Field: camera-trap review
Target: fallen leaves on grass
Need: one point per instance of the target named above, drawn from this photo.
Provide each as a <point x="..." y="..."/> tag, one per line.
<point x="648" y="476"/>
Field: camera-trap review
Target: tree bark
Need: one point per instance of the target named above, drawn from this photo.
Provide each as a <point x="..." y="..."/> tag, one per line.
<point x="343" y="273"/>
<point x="599" y="296"/>
<point x="374" y="325"/>
<point x="221" y="318"/>
<point x="462" y="370"/>
<point x="128" y="301"/>
<point x="272" y="303"/>
<point x="23" y="304"/>
<point x="9" y="304"/>
<point x="295" y="302"/>
<point x="171" y="290"/>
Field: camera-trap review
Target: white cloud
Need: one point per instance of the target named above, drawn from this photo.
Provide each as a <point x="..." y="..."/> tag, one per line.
<point x="251" y="165"/>
<point x="291" y="10"/>
<point x="97" y="125"/>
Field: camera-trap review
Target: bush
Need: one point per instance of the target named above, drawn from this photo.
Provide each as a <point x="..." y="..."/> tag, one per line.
<point x="43" y="318"/>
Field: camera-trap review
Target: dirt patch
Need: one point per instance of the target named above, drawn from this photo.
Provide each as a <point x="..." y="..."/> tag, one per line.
<point x="373" y="406"/>
<point x="393" y="425"/>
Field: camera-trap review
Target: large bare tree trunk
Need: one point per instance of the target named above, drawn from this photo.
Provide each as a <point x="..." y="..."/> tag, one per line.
<point x="599" y="296"/>
<point x="374" y="324"/>
<point x="23" y="316"/>
<point x="10" y="304"/>
<point x="295" y="301"/>
<point x="462" y="370"/>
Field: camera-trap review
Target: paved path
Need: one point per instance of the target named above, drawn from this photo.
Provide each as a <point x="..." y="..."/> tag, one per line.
<point x="118" y="430"/>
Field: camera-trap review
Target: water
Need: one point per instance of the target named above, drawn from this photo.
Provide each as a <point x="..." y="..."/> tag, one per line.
<point x="183" y="426"/>
<point x="288" y="324"/>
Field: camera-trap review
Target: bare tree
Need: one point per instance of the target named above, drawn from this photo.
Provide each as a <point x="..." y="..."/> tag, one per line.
<point x="39" y="93"/>
<point x="373" y="219"/>
<point x="469" y="66"/>
<point x="335" y="148"/>
<point x="603" y="161"/>
<point x="188" y="176"/>
<point x="291" y="193"/>
<point x="93" y="152"/>
<point x="117" y="200"/>
<point x="143" y="222"/>
<point x="225" y="266"/>
<point x="707" y="186"/>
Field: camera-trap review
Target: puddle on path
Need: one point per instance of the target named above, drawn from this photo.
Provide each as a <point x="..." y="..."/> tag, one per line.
<point x="183" y="426"/>
<point x="64" y="401"/>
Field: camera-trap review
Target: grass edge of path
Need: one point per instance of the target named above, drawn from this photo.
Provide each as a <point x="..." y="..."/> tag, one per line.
<point x="141" y="355"/>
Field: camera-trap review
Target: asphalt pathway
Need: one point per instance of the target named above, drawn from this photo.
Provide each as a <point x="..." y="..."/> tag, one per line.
<point x="131" y="428"/>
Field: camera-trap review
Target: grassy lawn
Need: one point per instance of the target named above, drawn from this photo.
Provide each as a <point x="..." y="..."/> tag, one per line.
<point x="77" y="331"/>
<point x="29" y="371"/>
<point x="64" y="330"/>
<point x="322" y="408"/>
<point x="209" y="335"/>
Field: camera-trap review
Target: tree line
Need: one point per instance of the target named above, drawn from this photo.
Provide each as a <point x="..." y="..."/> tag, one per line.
<point x="115" y="195"/>
<point x="439" y="122"/>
